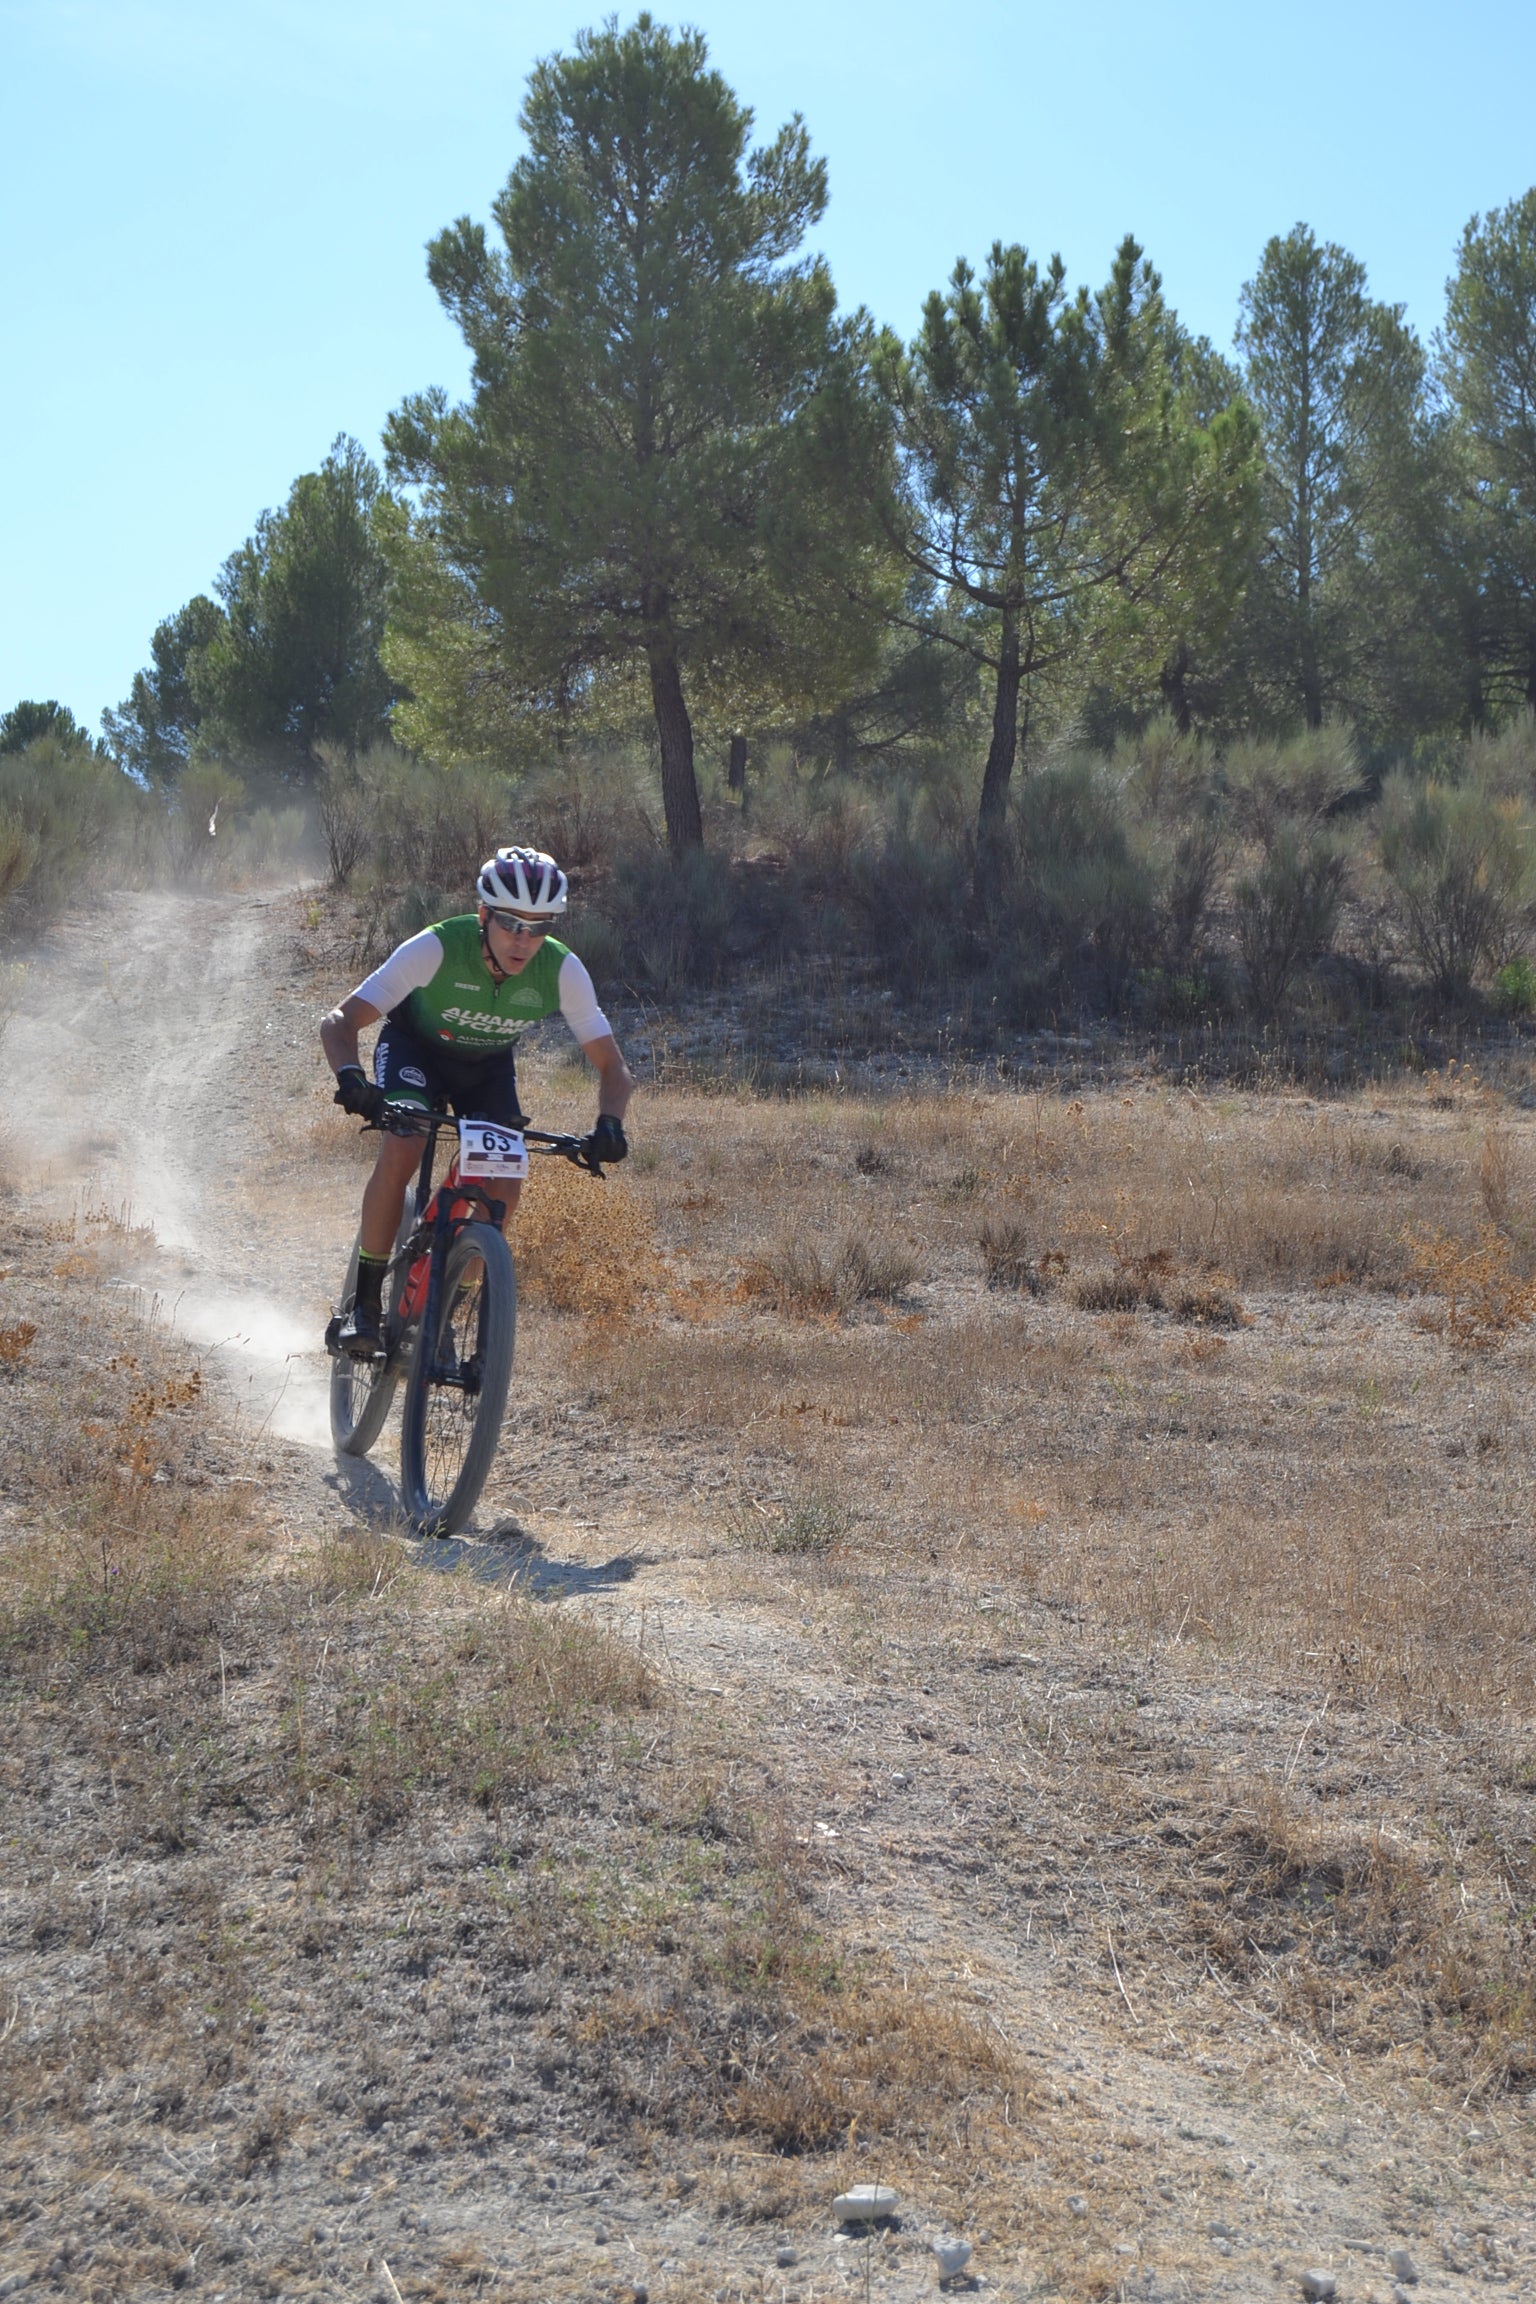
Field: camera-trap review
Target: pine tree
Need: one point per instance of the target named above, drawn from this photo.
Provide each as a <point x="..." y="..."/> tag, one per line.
<point x="666" y="460"/>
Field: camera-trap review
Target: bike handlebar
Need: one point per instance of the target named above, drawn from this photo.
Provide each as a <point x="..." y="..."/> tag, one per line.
<point x="411" y="1120"/>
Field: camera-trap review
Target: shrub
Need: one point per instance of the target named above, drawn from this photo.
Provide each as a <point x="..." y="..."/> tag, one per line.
<point x="1515" y="986"/>
<point x="346" y="818"/>
<point x="1171" y="787"/>
<point x="1300" y="781"/>
<point x="673" y="915"/>
<point x="1005" y="1256"/>
<point x="1504" y="763"/>
<point x="1081" y="882"/>
<point x="913" y="893"/>
<point x="798" y="1276"/>
<point x="19" y="851"/>
<point x="266" y="842"/>
<point x="1287" y="908"/>
<point x="1457" y="858"/>
<point x="809" y="1522"/>
<point x="59" y="800"/>
<point x="389" y="817"/>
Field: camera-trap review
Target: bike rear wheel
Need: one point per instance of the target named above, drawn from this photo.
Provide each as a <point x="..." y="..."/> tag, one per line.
<point x="456" y="1390"/>
<point x="361" y="1390"/>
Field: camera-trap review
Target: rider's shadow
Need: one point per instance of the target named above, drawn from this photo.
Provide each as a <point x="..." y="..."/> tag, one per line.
<point x="368" y="1492"/>
<point x="507" y="1554"/>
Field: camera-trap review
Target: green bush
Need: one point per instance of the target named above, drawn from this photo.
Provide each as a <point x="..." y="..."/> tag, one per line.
<point x="388" y="818"/>
<point x="1287" y="908"/>
<point x="62" y="801"/>
<point x="912" y="892"/>
<point x="672" y="916"/>
<point x="1081" y="882"/>
<point x="1180" y="825"/>
<point x="1457" y="860"/>
<point x="1515" y="986"/>
<point x="1300" y="781"/>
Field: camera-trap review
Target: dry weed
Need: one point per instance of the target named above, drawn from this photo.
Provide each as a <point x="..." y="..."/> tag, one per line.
<point x="797" y="1276"/>
<point x="16" y="1342"/>
<point x="480" y="1713"/>
<point x="1496" y="1178"/>
<point x="1006" y="1259"/>
<point x="880" y="2064"/>
<point x="778" y="2041"/>
<point x="1134" y="1285"/>
<point x="1485" y="1295"/>
<point x="584" y="1247"/>
<point x="811" y="1521"/>
<point x="1210" y="1304"/>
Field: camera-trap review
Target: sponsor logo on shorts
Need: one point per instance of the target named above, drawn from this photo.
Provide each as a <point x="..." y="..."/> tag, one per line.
<point x="414" y="1074"/>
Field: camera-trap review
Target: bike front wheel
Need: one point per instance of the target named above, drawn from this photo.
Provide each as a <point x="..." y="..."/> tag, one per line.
<point x="456" y="1391"/>
<point x="361" y="1390"/>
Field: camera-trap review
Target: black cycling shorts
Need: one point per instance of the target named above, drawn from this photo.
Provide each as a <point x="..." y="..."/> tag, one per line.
<point x="411" y="1070"/>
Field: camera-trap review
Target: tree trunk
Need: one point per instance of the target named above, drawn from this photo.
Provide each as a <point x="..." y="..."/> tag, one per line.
<point x="679" y="785"/>
<point x="1174" y="683"/>
<point x="1311" y="681"/>
<point x="993" y="815"/>
<point x="736" y="769"/>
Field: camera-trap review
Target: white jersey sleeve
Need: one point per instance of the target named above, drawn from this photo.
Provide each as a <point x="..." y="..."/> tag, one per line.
<point x="409" y="967"/>
<point x="578" y="1000"/>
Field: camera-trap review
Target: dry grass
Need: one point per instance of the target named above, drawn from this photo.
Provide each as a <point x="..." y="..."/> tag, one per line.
<point x="582" y="1246"/>
<point x="1228" y="1414"/>
<point x="795" y="1275"/>
<point x="295" y="1772"/>
<point x="1007" y="1259"/>
<point x="1358" y="1936"/>
<point x="1272" y="1490"/>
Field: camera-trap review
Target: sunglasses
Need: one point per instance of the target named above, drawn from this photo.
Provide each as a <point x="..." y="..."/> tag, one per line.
<point x="516" y="927"/>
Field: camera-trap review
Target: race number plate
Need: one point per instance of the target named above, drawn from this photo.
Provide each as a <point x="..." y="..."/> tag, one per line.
<point x="486" y="1150"/>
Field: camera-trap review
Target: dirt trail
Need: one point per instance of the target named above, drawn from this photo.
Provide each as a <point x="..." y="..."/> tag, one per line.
<point x="1204" y="2165"/>
<point x="141" y="1074"/>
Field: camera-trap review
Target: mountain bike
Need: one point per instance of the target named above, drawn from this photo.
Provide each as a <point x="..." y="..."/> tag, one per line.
<point x="450" y="1317"/>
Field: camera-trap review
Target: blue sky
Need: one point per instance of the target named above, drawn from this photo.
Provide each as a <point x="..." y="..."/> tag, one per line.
<point x="215" y="213"/>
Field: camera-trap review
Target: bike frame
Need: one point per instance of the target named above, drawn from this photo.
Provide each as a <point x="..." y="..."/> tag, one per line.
<point x="453" y="1205"/>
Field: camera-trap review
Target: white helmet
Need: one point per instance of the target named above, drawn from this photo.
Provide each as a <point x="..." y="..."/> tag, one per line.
<point x="522" y="880"/>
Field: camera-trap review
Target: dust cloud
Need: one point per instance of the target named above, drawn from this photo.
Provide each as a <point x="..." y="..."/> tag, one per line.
<point x="133" y="1089"/>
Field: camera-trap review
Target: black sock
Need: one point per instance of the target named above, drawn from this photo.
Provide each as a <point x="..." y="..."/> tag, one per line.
<point x="370" y="1282"/>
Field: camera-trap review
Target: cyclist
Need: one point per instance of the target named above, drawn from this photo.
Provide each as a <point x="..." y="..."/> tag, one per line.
<point x="455" y="1000"/>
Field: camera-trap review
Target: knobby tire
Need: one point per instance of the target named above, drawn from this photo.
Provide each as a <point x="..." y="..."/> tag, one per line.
<point x="448" y="1434"/>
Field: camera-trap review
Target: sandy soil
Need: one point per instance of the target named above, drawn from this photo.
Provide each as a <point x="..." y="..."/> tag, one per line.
<point x="174" y="1078"/>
